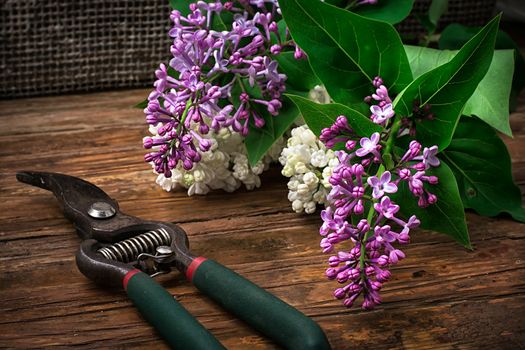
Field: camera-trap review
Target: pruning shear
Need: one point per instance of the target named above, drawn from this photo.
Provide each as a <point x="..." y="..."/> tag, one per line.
<point x="123" y="250"/>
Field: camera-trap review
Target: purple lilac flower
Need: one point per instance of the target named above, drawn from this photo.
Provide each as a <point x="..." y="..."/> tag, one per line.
<point x="381" y="114"/>
<point x="361" y="181"/>
<point x="429" y="157"/>
<point x="369" y="146"/>
<point x="381" y="185"/>
<point x="415" y="164"/>
<point x="199" y="91"/>
<point x="382" y="111"/>
<point x="340" y="131"/>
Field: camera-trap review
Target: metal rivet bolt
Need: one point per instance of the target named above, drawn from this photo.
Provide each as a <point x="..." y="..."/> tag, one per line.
<point x="101" y="210"/>
<point x="164" y="250"/>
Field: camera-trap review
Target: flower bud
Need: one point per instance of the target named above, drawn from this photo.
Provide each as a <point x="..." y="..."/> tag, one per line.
<point x="333" y="261"/>
<point x="383" y="260"/>
<point x="359" y="208"/>
<point x="375" y="285"/>
<point x="331" y="273"/>
<point x="354" y="274"/>
<point x="339" y="293"/>
<point x="383" y="276"/>
<point x="370" y="271"/>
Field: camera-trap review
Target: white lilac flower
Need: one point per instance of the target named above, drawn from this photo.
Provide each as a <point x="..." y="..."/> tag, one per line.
<point x="319" y="94"/>
<point x="224" y="166"/>
<point x="308" y="164"/>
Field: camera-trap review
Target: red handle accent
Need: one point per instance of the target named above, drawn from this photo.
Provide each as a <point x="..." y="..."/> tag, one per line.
<point x="194" y="266"/>
<point x="128" y="276"/>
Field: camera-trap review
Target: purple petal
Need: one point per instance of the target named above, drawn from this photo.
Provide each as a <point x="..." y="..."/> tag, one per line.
<point x="390" y="187"/>
<point x="362" y="152"/>
<point x="385" y="178"/>
<point x="373" y="181"/>
<point x="364" y="142"/>
<point x="375" y="138"/>
<point x="377" y="193"/>
<point x="375" y="109"/>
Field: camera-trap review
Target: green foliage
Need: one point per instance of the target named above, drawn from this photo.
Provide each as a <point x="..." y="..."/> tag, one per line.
<point x="446" y="215"/>
<point x="299" y="73"/>
<point x="390" y="11"/>
<point x="437" y="9"/>
<point x="142" y="104"/>
<point x="456" y="35"/>
<point x="346" y="51"/>
<point x="181" y="5"/>
<point x="259" y="140"/>
<point x="490" y="100"/>
<point x="448" y="87"/>
<point x="482" y="167"/>
<point x="319" y="116"/>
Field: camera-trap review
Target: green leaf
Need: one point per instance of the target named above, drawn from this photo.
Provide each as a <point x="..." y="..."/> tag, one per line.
<point x="340" y="3"/>
<point x="448" y="87"/>
<point x="430" y="20"/>
<point x="319" y="116"/>
<point x="446" y="215"/>
<point x="437" y="9"/>
<point x="299" y="73"/>
<point x="217" y="23"/>
<point x="456" y="34"/>
<point x="390" y="11"/>
<point x="482" y="166"/>
<point x="181" y="5"/>
<point x="346" y="51"/>
<point x="490" y="100"/>
<point x="141" y="104"/>
<point x="259" y="140"/>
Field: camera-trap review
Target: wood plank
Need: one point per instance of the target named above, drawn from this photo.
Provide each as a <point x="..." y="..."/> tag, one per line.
<point x="440" y="297"/>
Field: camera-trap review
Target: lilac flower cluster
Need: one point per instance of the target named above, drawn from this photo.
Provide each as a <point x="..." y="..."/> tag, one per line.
<point x="382" y="111"/>
<point x="361" y="210"/>
<point x="215" y="79"/>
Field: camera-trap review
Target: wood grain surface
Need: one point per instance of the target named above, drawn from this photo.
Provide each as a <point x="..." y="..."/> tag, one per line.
<point x="440" y="297"/>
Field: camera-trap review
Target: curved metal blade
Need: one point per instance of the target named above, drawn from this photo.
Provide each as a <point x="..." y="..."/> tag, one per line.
<point x="76" y="197"/>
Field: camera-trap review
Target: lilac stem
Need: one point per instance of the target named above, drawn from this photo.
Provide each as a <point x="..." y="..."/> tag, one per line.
<point x="183" y="117"/>
<point x="369" y="218"/>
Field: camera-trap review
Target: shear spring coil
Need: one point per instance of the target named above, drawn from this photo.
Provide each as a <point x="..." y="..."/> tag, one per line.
<point x="129" y="249"/>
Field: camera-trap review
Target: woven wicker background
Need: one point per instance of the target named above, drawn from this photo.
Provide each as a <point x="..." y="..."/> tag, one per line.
<point x="53" y="46"/>
<point x="467" y="12"/>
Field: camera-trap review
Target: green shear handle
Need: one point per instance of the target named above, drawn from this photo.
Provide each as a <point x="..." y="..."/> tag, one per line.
<point x="263" y="311"/>
<point x="176" y="325"/>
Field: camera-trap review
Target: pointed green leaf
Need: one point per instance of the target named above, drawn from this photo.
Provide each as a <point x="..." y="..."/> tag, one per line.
<point x="482" y="167"/>
<point x="259" y="140"/>
<point x="448" y="87"/>
<point x="437" y="9"/>
<point x="456" y="35"/>
<point x="446" y="215"/>
<point x="390" y="11"/>
<point x="181" y="5"/>
<point x="319" y="116"/>
<point x="298" y="72"/>
<point x="430" y="20"/>
<point x="142" y="104"/>
<point x="346" y="51"/>
<point x="490" y="101"/>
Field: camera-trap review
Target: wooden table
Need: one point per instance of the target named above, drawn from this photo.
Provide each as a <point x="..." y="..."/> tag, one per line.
<point x="441" y="297"/>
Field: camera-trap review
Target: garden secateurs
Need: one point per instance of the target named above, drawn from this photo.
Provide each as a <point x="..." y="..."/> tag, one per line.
<point x="122" y="250"/>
